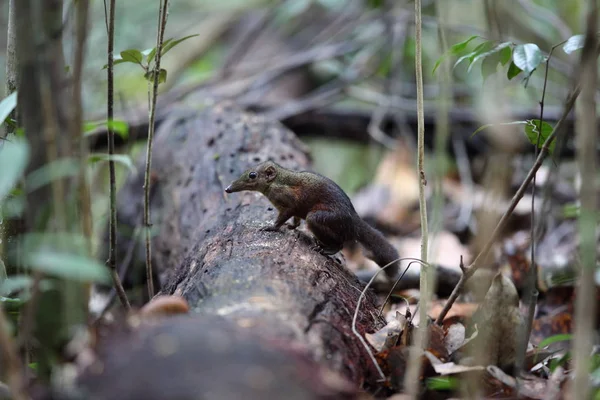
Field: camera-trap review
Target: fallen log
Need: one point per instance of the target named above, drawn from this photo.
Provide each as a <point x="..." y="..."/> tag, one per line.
<point x="208" y="246"/>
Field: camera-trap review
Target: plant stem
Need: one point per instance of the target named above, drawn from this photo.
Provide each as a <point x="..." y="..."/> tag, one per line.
<point x="411" y="379"/>
<point x="162" y="22"/>
<point x="112" y="250"/>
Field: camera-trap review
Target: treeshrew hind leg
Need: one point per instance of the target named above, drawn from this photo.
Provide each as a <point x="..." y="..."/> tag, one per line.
<point x="325" y="226"/>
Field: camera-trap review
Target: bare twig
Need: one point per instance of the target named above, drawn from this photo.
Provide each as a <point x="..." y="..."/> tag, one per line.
<point x="112" y="257"/>
<point x="569" y="103"/>
<point x="530" y="294"/>
<point x="411" y="378"/>
<point x="162" y="22"/>
<point x="587" y="140"/>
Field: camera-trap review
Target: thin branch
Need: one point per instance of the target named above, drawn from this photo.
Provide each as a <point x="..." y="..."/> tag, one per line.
<point x="411" y="378"/>
<point x="162" y="23"/>
<point x="570" y="102"/>
<point x="112" y="257"/>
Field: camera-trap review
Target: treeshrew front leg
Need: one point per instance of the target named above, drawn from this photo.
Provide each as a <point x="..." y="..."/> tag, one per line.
<point x="283" y="216"/>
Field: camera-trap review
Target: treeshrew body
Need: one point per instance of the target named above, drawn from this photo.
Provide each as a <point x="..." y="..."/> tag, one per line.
<point x="327" y="210"/>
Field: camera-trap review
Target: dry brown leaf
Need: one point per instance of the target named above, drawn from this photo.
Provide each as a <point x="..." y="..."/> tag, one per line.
<point x="387" y="337"/>
<point x="500" y="322"/>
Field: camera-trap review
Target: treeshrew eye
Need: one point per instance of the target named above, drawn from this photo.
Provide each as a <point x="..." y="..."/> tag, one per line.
<point x="252" y="175"/>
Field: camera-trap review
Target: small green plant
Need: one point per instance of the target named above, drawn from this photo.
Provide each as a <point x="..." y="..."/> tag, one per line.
<point x="526" y="58"/>
<point x="146" y="58"/>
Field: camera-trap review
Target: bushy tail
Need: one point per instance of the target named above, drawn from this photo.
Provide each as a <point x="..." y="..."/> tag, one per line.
<point x="379" y="249"/>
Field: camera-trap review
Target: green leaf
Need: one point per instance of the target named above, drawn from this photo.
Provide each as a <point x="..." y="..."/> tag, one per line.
<point x="162" y="76"/>
<point x="562" y="337"/>
<point x="454" y="50"/>
<point x="62" y="168"/>
<point x="489" y="53"/>
<point x="67" y="265"/>
<point x="14" y="156"/>
<point x="116" y="61"/>
<point x="442" y="383"/>
<point x="170" y="43"/>
<point x="527" y="57"/>
<point x="119" y="127"/>
<point x="460" y="47"/>
<point x="480" y="49"/>
<point x="152" y="54"/>
<point x="532" y="133"/>
<point x="7" y="105"/>
<point x="489" y="66"/>
<point x="571" y="210"/>
<point x="505" y="55"/>
<point x="513" y="71"/>
<point x="501" y="124"/>
<point x="118" y="158"/>
<point x="556" y="362"/>
<point x="166" y="46"/>
<point x="574" y="43"/>
<point x="133" y="56"/>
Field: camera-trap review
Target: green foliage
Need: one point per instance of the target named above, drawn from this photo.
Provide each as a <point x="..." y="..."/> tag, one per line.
<point x="454" y="50"/>
<point x="118" y="158"/>
<point x="442" y="383"/>
<point x="531" y="130"/>
<point x="7" y="105"/>
<point x="574" y="43"/>
<point x="560" y="361"/>
<point x="146" y="58"/>
<point x="470" y="57"/>
<point x="490" y="54"/>
<point x="513" y="71"/>
<point x="132" y="56"/>
<point x="14" y="156"/>
<point x="119" y="127"/>
<point x="162" y="76"/>
<point x="571" y="210"/>
<point x="527" y="57"/>
<point x="532" y="133"/>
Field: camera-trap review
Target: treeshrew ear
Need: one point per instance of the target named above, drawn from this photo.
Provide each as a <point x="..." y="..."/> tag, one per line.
<point x="270" y="173"/>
